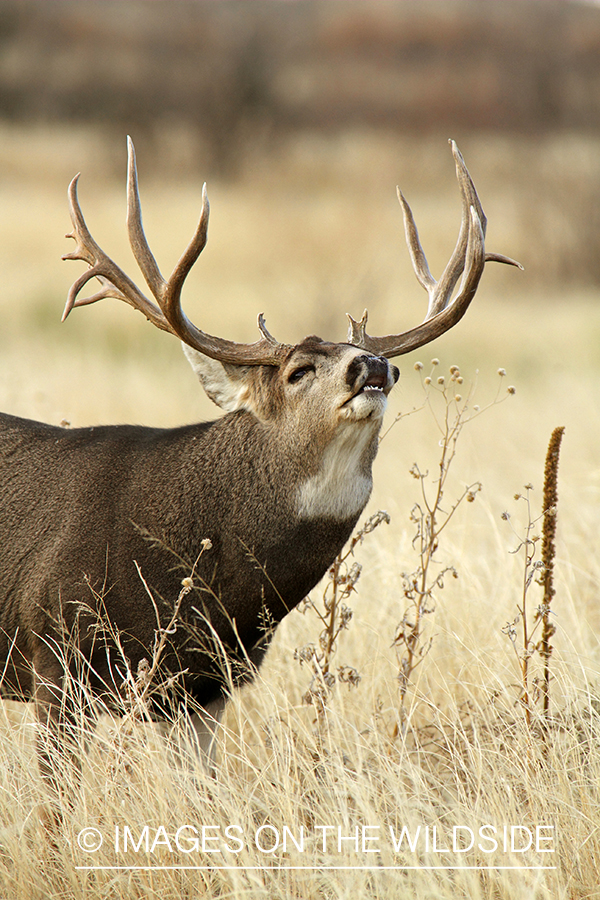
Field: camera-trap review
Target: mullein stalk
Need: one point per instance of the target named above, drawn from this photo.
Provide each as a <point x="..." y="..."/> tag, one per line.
<point x="548" y="554"/>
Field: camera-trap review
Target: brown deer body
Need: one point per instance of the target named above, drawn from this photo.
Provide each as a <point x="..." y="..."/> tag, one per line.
<point x="108" y="521"/>
<point x="90" y="503"/>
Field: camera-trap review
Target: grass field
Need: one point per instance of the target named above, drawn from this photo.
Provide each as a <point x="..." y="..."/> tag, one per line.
<point x="305" y="238"/>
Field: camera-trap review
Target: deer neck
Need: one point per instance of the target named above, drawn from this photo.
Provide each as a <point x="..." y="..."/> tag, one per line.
<point x="340" y="483"/>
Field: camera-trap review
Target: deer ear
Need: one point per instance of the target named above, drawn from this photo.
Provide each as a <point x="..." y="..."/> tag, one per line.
<point x="226" y="385"/>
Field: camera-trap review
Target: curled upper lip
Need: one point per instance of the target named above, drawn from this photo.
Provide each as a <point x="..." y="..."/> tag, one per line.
<point x="372" y="381"/>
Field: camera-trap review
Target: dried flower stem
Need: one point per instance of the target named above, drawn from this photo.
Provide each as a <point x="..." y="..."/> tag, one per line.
<point x="542" y="572"/>
<point x="143" y="686"/>
<point x="334" y="616"/>
<point x="548" y="553"/>
<point x="528" y="572"/>
<point x="430" y="517"/>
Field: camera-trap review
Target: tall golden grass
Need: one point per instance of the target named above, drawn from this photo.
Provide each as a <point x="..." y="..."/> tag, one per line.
<point x="304" y="239"/>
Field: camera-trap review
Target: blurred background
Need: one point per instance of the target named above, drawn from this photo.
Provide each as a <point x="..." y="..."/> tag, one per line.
<point x="302" y="116"/>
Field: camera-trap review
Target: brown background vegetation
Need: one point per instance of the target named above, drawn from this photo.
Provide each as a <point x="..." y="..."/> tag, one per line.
<point x="206" y="86"/>
<point x="236" y="67"/>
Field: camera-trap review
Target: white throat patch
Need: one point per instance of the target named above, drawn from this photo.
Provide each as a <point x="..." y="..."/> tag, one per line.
<point x="342" y="486"/>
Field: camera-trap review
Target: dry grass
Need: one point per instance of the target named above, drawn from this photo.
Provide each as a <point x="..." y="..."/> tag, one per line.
<point x="303" y="245"/>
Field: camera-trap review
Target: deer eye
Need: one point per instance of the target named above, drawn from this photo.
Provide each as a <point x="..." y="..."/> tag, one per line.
<point x="299" y="373"/>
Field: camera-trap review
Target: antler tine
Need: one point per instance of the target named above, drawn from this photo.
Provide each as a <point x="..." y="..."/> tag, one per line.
<point x="186" y="330"/>
<point x="167" y="315"/>
<point x="266" y="351"/>
<point x="137" y="239"/>
<point x="455" y="267"/>
<point x="167" y="293"/>
<point x="468" y="259"/>
<point x="417" y="256"/>
<point x="440" y="292"/>
<point x="116" y="283"/>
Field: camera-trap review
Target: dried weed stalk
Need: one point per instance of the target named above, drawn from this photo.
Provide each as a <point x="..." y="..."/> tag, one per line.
<point x="430" y="517"/>
<point x="536" y="688"/>
<point x="334" y="616"/>
<point x="139" y="690"/>
<point x="130" y="703"/>
<point x="548" y="552"/>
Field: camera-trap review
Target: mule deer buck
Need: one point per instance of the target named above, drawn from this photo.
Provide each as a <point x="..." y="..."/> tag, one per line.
<point x="108" y="521"/>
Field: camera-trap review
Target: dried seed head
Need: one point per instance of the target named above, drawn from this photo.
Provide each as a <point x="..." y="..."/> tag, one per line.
<point x="511" y="390"/>
<point x="428" y="380"/>
<point x="435" y="362"/>
<point x="143" y="667"/>
<point x="349" y="675"/>
<point x="304" y="654"/>
<point x="501" y="372"/>
<point x="550" y="501"/>
<point x="418" y="366"/>
<point x="345" y="616"/>
<point x="441" y="380"/>
<point x="458" y="398"/>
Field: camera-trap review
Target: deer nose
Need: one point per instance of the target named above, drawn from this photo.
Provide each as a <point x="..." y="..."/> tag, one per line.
<point x="383" y="371"/>
<point x="373" y="370"/>
<point x="394" y="371"/>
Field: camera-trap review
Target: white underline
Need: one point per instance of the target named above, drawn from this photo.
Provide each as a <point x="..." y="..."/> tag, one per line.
<point x="313" y="868"/>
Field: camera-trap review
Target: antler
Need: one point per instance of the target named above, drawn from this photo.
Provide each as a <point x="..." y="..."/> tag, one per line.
<point x="166" y="313"/>
<point x="468" y="260"/>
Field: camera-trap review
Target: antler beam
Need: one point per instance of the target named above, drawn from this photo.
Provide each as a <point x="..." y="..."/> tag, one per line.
<point x="166" y="313"/>
<point x="467" y="260"/>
